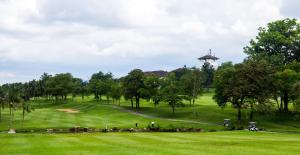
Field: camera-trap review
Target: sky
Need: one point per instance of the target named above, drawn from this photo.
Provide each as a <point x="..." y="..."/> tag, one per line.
<point x="86" y="36"/>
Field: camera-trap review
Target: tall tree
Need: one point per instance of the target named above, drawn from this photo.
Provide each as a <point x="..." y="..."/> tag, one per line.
<point x="13" y="99"/>
<point x="280" y="38"/>
<point x="100" y="84"/>
<point x="60" y="86"/>
<point x="279" y="44"/>
<point x="133" y="85"/>
<point x="77" y="87"/>
<point x="152" y="90"/>
<point x="256" y="80"/>
<point x="42" y="85"/>
<point x="2" y="101"/>
<point x="191" y="84"/>
<point x="171" y="91"/>
<point x="116" y="91"/>
<point x="285" y="81"/>
<point x="208" y="71"/>
<point x="228" y="88"/>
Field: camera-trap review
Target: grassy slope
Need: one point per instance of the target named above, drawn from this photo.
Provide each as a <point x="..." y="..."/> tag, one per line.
<point x="96" y="115"/>
<point x="206" y="110"/>
<point x="99" y="115"/>
<point x="152" y="143"/>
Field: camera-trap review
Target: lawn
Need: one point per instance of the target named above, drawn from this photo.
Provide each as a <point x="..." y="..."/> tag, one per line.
<point x="238" y="142"/>
<point x="91" y="114"/>
<point x="204" y="114"/>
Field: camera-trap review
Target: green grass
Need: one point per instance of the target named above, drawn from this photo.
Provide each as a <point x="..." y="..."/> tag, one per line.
<point x="92" y="114"/>
<point x="99" y="115"/>
<point x="206" y="110"/>
<point x="152" y="143"/>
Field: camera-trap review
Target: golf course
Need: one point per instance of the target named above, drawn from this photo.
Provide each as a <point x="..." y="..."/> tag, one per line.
<point x="149" y="77"/>
<point x="278" y="138"/>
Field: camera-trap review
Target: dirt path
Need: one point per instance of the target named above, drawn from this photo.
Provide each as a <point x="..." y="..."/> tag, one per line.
<point x="155" y="117"/>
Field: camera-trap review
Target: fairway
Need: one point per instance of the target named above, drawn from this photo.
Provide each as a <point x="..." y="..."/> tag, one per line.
<point x="101" y="115"/>
<point x="151" y="143"/>
<point x="94" y="114"/>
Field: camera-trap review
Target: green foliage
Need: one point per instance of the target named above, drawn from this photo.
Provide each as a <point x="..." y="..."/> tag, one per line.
<point x="242" y="84"/>
<point x="116" y="91"/>
<point x="100" y="84"/>
<point x="152" y="90"/>
<point x="191" y="84"/>
<point x="224" y="79"/>
<point x="171" y="91"/>
<point x="285" y="83"/>
<point x="208" y="71"/>
<point x="60" y="85"/>
<point x="134" y="85"/>
<point x="279" y="39"/>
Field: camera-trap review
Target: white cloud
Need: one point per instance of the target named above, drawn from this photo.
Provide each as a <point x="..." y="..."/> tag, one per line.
<point x="117" y="35"/>
<point x="7" y="75"/>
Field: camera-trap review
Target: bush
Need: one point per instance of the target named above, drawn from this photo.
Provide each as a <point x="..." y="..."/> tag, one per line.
<point x="297" y="105"/>
<point x="265" y="108"/>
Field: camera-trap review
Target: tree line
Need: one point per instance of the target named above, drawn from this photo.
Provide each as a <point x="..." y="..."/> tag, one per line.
<point x="269" y="75"/>
<point x="268" y="79"/>
<point x="179" y="85"/>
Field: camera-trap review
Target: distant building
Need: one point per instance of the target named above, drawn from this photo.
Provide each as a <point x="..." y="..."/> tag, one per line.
<point x="159" y="73"/>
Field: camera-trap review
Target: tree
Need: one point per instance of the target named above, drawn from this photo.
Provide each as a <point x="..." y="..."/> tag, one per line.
<point x="60" y="86"/>
<point x="208" y="71"/>
<point x="171" y="91"/>
<point x="256" y="80"/>
<point x="100" y="84"/>
<point x="13" y="99"/>
<point x="152" y="90"/>
<point x="247" y="83"/>
<point x="26" y="108"/>
<point x="133" y="85"/>
<point x="2" y="101"/>
<point x="285" y="82"/>
<point x="228" y="88"/>
<point x="116" y="91"/>
<point x="280" y="38"/>
<point x="42" y="85"/>
<point x="191" y="84"/>
<point x="279" y="44"/>
<point x="77" y="88"/>
<point x="83" y="91"/>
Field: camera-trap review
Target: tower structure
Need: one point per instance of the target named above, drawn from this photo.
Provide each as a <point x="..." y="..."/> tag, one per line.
<point x="209" y="57"/>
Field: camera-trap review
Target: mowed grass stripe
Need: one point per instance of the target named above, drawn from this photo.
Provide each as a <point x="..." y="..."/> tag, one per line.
<point x="152" y="143"/>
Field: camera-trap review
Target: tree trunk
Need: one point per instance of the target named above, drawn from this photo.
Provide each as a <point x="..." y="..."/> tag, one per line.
<point x="239" y="116"/>
<point x="137" y="102"/>
<point x="23" y="113"/>
<point x="173" y="108"/>
<point x="251" y="113"/>
<point x="278" y="107"/>
<point x="0" y="112"/>
<point x="281" y="104"/>
<point x="131" y="100"/>
<point x="286" y="102"/>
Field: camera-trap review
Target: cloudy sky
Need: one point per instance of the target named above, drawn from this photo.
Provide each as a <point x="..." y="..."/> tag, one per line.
<point x="85" y="36"/>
